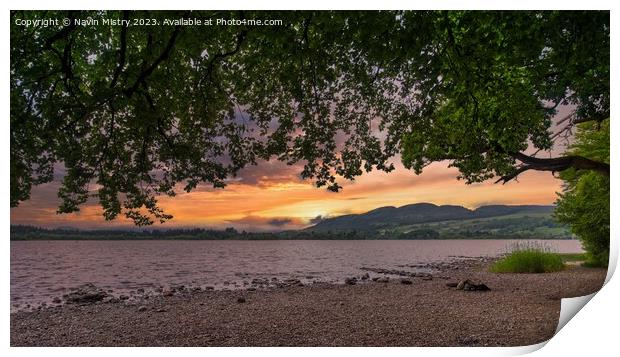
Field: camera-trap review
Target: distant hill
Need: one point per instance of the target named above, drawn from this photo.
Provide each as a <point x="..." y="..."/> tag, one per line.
<point x="415" y="221"/>
<point x="415" y="214"/>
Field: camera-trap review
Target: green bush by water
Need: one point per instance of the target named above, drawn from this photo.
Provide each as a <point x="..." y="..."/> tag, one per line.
<point x="529" y="257"/>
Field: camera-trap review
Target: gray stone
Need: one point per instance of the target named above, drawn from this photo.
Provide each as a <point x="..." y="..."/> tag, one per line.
<point x="350" y="281"/>
<point x="86" y="294"/>
<point x="468" y="285"/>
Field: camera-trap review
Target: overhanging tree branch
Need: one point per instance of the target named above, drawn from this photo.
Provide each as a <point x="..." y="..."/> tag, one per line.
<point x="555" y="164"/>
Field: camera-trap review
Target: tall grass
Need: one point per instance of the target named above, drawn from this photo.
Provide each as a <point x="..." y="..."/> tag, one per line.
<point x="529" y="257"/>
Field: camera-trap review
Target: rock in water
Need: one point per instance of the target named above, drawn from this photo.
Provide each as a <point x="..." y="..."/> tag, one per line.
<point x="86" y="294"/>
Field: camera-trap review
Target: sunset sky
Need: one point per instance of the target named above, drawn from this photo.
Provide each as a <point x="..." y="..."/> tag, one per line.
<point x="271" y="196"/>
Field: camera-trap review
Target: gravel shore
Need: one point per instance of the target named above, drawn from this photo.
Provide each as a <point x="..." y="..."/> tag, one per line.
<point x="520" y="309"/>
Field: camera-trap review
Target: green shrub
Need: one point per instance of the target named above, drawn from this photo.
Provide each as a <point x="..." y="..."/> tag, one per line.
<point x="584" y="201"/>
<point x="529" y="258"/>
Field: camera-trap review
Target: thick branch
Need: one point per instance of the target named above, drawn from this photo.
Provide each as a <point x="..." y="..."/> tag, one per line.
<point x="63" y="33"/>
<point x="122" y="52"/>
<point x="555" y="164"/>
<point x="585" y="120"/>
<point x="220" y="56"/>
<point x="162" y="57"/>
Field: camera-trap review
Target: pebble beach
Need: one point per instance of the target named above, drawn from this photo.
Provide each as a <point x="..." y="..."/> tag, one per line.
<point x="385" y="309"/>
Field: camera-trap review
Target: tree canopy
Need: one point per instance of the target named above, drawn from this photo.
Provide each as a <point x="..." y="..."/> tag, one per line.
<point x="126" y="113"/>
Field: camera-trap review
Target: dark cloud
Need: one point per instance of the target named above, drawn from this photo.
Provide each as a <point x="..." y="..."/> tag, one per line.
<point x="258" y="223"/>
<point x="279" y="222"/>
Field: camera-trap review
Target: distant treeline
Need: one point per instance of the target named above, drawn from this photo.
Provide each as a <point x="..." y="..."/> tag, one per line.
<point x="23" y="233"/>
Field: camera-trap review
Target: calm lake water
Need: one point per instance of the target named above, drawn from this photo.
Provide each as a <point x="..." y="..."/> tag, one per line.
<point x="42" y="270"/>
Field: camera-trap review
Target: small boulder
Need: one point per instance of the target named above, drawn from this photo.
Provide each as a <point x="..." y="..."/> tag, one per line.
<point x="405" y="281"/>
<point x="86" y="294"/>
<point x="383" y="279"/>
<point x="142" y="308"/>
<point x="240" y="300"/>
<point x="482" y="287"/>
<point x="350" y="281"/>
<point x="468" y="285"/>
<point x="452" y="285"/>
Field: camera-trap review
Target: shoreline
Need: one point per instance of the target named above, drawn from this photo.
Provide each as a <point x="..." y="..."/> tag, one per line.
<point x="519" y="309"/>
